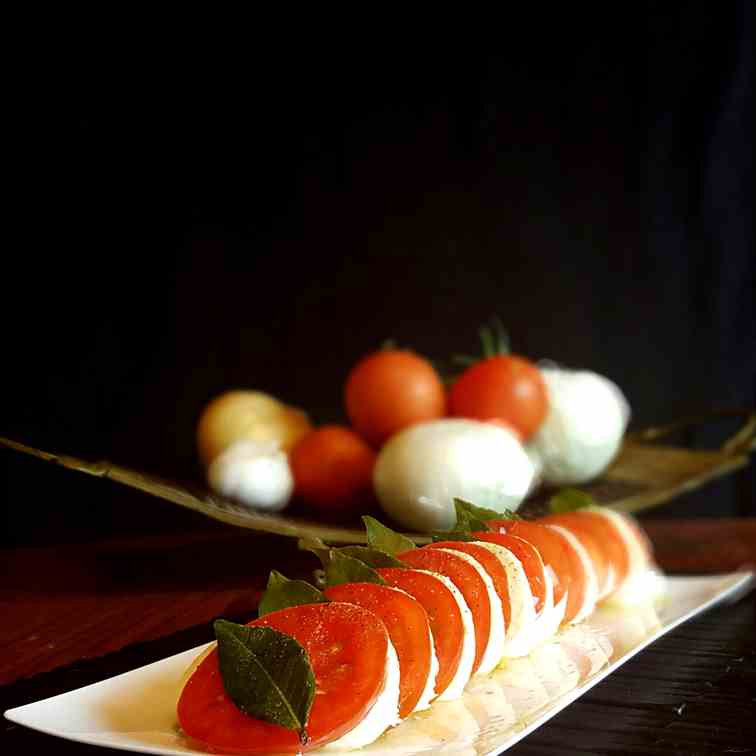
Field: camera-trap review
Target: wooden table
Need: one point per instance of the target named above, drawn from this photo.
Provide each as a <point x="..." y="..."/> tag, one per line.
<point x="75" y="614"/>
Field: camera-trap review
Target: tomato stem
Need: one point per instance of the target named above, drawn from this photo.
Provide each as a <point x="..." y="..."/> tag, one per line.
<point x="494" y="338"/>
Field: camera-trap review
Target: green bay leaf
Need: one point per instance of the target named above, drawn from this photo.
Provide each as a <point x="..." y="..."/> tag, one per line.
<point x="342" y="568"/>
<point x="381" y="537"/>
<point x="370" y="556"/>
<point x="452" y="535"/>
<point x="570" y="500"/>
<point x="267" y="674"/>
<point x="281" y="593"/>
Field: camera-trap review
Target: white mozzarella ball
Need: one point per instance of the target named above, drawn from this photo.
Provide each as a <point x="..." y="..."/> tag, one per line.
<point x="254" y="473"/>
<point x="422" y="469"/>
<point x="584" y="426"/>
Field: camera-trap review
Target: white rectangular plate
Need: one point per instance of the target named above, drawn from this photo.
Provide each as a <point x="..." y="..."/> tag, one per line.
<point x="135" y="711"/>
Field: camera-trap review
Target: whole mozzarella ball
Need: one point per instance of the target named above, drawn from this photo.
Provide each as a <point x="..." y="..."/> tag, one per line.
<point x="256" y="473"/>
<point x="422" y="469"/>
<point x="583" y="430"/>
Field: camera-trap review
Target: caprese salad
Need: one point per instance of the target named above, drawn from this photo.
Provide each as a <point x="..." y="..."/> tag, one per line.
<point x="393" y="627"/>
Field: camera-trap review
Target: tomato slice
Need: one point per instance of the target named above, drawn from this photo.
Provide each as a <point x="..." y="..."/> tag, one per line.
<point x="443" y="614"/>
<point x="605" y="530"/>
<point x="407" y="623"/>
<point x="581" y="529"/>
<point x="490" y="563"/>
<point x="531" y="561"/>
<point x="347" y="646"/>
<point x="470" y="584"/>
<point x="557" y="553"/>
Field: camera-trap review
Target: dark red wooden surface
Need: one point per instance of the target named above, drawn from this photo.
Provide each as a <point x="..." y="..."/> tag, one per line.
<point x="74" y="614"/>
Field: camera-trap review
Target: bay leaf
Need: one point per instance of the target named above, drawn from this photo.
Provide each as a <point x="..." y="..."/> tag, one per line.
<point x="381" y="537"/>
<point x="570" y="500"/>
<point x="281" y="593"/>
<point x="267" y="674"/>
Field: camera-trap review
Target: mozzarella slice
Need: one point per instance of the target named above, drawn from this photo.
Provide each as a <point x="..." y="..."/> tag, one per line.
<point x="429" y="692"/>
<point x="522" y="613"/>
<point x="550" y="617"/>
<point x="591" y="586"/>
<point x="384" y="713"/>
<point x="496" y="638"/>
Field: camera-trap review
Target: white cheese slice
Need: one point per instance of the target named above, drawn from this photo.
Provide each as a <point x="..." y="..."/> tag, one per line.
<point x="522" y="614"/>
<point x="591" y="586"/>
<point x="550" y="617"/>
<point x="429" y="692"/>
<point x="494" y="649"/>
<point x="384" y="713"/>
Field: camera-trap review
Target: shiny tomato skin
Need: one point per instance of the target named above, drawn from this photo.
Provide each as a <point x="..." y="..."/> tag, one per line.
<point x="503" y="387"/>
<point x="390" y="390"/>
<point x="333" y="469"/>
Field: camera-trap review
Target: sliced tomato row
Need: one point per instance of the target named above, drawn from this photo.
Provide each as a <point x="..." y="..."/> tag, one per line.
<point x="439" y="615"/>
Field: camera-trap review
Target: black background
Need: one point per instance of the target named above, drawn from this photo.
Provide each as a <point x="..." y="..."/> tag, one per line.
<point x="265" y="214"/>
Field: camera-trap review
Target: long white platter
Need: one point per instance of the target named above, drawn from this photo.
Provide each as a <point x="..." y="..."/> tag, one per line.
<point x="135" y="711"/>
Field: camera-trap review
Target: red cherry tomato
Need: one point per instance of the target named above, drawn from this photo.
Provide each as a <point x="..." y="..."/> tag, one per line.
<point x="390" y="390"/>
<point x="333" y="469"/>
<point x="503" y="387"/>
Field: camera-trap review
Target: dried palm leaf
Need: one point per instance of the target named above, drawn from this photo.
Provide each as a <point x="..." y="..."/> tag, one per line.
<point x="644" y="475"/>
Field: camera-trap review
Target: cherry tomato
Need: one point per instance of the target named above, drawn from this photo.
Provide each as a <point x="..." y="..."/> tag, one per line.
<point x="390" y="390"/>
<point x="333" y="469"/>
<point x="503" y="387"/>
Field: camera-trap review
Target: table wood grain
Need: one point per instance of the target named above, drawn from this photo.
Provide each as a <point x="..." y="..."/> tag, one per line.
<point x="77" y="613"/>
